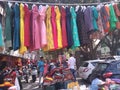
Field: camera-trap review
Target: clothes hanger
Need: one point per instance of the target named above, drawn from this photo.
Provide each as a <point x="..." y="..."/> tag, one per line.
<point x="84" y="8"/>
<point x="77" y="7"/>
<point x="33" y="6"/>
<point x="55" y="6"/>
<point x="47" y="6"/>
<point x="16" y="3"/>
<point x="9" y="4"/>
<point x="26" y="4"/>
<point x="63" y="6"/>
<point x="1" y="10"/>
<point x="66" y="6"/>
<point x="112" y="2"/>
<point x="40" y="6"/>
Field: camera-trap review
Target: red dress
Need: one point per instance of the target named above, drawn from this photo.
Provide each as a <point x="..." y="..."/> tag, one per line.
<point x="27" y="26"/>
<point x="63" y="24"/>
<point x="54" y="28"/>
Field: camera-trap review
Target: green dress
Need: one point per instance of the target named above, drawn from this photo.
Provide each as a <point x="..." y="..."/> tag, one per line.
<point x="76" y="41"/>
<point x="8" y="26"/>
<point x="1" y="36"/>
<point x="95" y="17"/>
<point x="113" y="18"/>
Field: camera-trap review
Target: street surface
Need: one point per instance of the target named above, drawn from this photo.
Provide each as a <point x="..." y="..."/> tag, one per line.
<point x="34" y="86"/>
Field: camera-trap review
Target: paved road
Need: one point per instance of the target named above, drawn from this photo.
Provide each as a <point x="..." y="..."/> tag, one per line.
<point x="34" y="86"/>
<point x="30" y="85"/>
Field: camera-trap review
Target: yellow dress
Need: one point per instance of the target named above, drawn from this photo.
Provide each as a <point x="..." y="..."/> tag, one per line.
<point x="50" y="44"/>
<point x="59" y="31"/>
<point x="22" y="47"/>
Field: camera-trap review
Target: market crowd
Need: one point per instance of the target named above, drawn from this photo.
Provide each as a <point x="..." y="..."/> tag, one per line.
<point x="42" y="68"/>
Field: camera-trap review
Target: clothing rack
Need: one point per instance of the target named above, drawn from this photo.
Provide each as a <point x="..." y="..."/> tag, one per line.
<point x="59" y="4"/>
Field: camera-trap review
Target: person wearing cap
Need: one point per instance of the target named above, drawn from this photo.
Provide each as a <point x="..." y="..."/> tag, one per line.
<point x="41" y="70"/>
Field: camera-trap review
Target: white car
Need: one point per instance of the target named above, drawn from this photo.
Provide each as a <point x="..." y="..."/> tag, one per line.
<point x="85" y="70"/>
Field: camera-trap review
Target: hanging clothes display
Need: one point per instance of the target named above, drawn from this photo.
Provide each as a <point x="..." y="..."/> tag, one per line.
<point x="95" y="18"/>
<point x="68" y="27"/>
<point x="63" y="27"/>
<point x="27" y="32"/>
<point x="1" y="37"/>
<point x="113" y="18"/>
<point x="54" y="28"/>
<point x="35" y="28"/>
<point x="31" y="47"/>
<point x="58" y="25"/>
<point x="50" y="43"/>
<point x="8" y="26"/>
<point x="99" y="21"/>
<point x="104" y="17"/>
<point x="96" y="34"/>
<point x="16" y="37"/>
<point x="42" y="27"/>
<point x="82" y="31"/>
<point x="76" y="41"/>
<point x="22" y="46"/>
<point x="1" y="29"/>
<point x="88" y="19"/>
<point x="117" y="11"/>
<point x="108" y="22"/>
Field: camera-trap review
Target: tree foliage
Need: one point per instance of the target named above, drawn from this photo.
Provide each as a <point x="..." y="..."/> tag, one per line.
<point x="113" y="41"/>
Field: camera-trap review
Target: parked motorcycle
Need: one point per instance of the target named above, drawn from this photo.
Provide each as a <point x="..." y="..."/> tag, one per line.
<point x="56" y="75"/>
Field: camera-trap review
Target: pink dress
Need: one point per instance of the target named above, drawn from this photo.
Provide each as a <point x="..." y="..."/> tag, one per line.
<point x="42" y="26"/>
<point x="35" y="28"/>
<point x="27" y="26"/>
<point x="54" y="28"/>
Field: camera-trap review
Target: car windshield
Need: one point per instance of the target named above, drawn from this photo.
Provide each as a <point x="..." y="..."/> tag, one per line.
<point x="101" y="67"/>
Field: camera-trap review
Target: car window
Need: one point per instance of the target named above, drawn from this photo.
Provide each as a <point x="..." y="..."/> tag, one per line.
<point x="118" y="66"/>
<point x="101" y="66"/>
<point x="85" y="64"/>
<point x="94" y="63"/>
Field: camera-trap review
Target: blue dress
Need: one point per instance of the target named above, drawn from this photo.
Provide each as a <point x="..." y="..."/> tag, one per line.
<point x="76" y="41"/>
<point x="16" y="36"/>
<point x="68" y="28"/>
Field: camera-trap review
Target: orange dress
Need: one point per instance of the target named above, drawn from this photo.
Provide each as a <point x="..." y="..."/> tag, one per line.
<point x="107" y="23"/>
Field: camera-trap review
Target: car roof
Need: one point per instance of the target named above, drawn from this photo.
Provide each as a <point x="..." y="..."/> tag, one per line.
<point x="96" y="60"/>
<point x="110" y="61"/>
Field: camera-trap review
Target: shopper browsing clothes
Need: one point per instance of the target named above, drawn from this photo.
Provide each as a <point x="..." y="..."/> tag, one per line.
<point x="71" y="65"/>
<point x="41" y="70"/>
